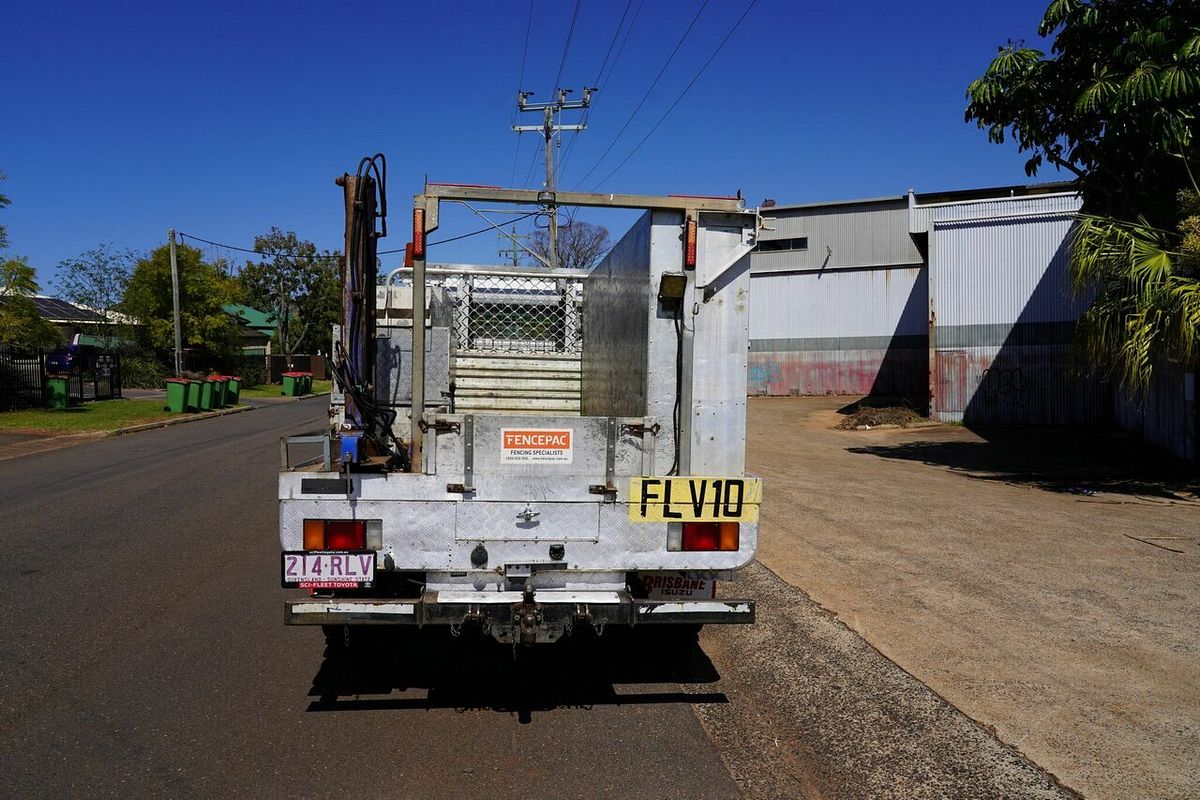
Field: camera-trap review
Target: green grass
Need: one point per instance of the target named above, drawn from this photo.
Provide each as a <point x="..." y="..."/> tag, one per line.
<point x="102" y="415"/>
<point x="273" y="389"/>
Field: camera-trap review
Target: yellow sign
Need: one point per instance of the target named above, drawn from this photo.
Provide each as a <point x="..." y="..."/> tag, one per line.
<point x="694" y="499"/>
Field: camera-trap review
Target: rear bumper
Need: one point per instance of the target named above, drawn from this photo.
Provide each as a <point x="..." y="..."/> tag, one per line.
<point x="552" y="610"/>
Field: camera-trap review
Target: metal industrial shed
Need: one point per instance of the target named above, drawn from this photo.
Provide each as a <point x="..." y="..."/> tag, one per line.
<point x="958" y="302"/>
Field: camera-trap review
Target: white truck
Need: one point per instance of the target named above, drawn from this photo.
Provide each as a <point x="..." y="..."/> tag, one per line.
<point x="577" y="453"/>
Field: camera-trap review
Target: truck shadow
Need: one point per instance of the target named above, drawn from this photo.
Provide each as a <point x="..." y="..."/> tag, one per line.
<point x="470" y="672"/>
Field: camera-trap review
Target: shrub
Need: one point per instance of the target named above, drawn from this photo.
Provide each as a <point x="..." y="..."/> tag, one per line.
<point x="142" y="372"/>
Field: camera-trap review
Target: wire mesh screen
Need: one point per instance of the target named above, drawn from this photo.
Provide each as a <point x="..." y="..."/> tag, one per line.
<point x="516" y="314"/>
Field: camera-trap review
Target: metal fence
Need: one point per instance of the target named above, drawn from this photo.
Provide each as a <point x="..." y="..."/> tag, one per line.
<point x="90" y="375"/>
<point x="515" y="313"/>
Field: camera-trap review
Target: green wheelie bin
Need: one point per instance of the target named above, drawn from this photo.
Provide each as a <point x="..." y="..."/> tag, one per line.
<point x="219" y="384"/>
<point x="291" y="384"/>
<point x="193" y="395"/>
<point x="233" y="390"/>
<point x="305" y="383"/>
<point x="206" y="396"/>
<point x="58" y="394"/>
<point x="177" y="390"/>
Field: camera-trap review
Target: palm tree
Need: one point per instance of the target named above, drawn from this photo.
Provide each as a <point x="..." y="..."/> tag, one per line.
<point x="1145" y="285"/>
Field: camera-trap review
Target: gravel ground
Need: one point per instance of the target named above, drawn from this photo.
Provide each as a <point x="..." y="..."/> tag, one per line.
<point x="814" y="711"/>
<point x="1044" y="581"/>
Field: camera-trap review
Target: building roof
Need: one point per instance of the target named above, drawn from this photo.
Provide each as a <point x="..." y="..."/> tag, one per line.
<point x="251" y="316"/>
<point x="54" y="310"/>
<point x="951" y="195"/>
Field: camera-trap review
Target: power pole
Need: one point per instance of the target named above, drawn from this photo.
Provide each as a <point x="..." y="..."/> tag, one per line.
<point x="175" y="302"/>
<point x="512" y="255"/>
<point x="548" y="129"/>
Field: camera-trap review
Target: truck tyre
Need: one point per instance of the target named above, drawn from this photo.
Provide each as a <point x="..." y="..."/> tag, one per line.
<point x="336" y="638"/>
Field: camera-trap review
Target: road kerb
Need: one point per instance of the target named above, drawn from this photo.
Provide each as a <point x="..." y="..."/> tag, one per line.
<point x="69" y="439"/>
<point x="166" y="423"/>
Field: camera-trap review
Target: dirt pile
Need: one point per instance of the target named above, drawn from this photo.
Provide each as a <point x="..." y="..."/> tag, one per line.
<point x="866" y="417"/>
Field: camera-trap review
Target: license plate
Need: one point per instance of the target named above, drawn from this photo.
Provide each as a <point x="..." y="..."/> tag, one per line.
<point x="328" y="569"/>
<point x="688" y="499"/>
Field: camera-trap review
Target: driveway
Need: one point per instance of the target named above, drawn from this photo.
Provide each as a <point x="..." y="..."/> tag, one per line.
<point x="1045" y="582"/>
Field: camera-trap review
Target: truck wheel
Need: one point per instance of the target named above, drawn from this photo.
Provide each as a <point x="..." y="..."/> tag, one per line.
<point x="337" y="638"/>
<point x="687" y="633"/>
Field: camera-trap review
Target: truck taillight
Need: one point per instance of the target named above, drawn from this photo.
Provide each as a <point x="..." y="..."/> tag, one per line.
<point x="335" y="534"/>
<point x="314" y="534"/>
<point x="701" y="536"/>
<point x="418" y="240"/>
<point x="689" y="243"/>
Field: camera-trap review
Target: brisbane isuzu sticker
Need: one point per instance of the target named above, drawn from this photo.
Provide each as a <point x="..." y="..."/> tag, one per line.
<point x="536" y="445"/>
<point x="666" y="499"/>
<point x="676" y="585"/>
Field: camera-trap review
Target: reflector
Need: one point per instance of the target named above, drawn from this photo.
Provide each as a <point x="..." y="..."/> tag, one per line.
<point x="689" y="249"/>
<point x="418" y="240"/>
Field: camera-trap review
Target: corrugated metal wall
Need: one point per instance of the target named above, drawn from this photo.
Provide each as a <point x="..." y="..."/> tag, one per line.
<point x="847" y="315"/>
<point x="1168" y="415"/>
<point x="850" y="332"/>
<point x="1004" y="313"/>
<point x="866" y="234"/>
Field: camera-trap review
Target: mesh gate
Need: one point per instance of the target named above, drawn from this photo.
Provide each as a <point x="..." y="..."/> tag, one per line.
<point x="516" y="314"/>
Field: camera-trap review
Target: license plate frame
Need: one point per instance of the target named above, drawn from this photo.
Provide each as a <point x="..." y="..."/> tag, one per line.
<point x="351" y="571"/>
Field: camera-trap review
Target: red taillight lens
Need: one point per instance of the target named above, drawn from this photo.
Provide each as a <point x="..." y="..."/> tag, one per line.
<point x="710" y="536"/>
<point x="689" y="248"/>
<point x="418" y="240"/>
<point x="345" y="534"/>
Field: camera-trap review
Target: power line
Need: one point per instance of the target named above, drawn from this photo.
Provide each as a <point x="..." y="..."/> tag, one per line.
<point x="617" y="32"/>
<point x="641" y="102"/>
<point x="562" y="164"/>
<point x="467" y="235"/>
<point x="532" y="163"/>
<point x="562" y="62"/>
<point x="521" y="82"/>
<point x="270" y="254"/>
<point x="671" y="108"/>
<point x="264" y="254"/>
<point x="524" y="53"/>
<point x="603" y="79"/>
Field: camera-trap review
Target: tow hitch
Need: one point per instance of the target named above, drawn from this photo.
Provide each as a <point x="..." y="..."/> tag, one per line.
<point x="528" y="617"/>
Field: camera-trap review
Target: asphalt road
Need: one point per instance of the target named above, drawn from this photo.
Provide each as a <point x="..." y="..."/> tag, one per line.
<point x="143" y="654"/>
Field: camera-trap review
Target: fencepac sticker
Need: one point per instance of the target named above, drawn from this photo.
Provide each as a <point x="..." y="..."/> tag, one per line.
<point x="537" y="445"/>
<point x="688" y="499"/>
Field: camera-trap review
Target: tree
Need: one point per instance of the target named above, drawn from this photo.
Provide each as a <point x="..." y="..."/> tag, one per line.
<point x="20" y="323"/>
<point x="97" y="280"/>
<point x="202" y="291"/>
<point x="1115" y="105"/>
<point x="298" y="286"/>
<point x="581" y="245"/>
<point x="1147" y="288"/>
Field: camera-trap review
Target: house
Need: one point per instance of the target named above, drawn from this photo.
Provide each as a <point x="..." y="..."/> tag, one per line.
<point x="257" y="328"/>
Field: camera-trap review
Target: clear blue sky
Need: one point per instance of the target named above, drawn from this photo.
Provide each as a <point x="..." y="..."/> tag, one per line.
<point x="124" y="119"/>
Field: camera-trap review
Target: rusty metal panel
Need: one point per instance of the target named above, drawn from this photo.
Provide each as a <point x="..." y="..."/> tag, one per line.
<point x="1004" y="313"/>
<point x="846" y="332"/>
